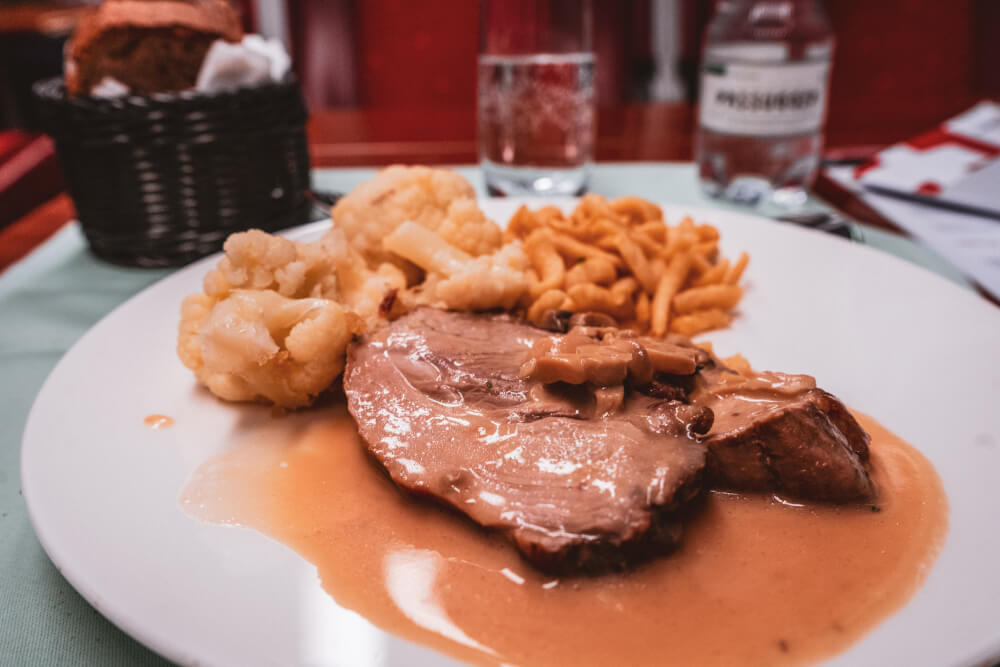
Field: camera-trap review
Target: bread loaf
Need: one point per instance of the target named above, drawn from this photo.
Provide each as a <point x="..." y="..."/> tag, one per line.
<point x="148" y="45"/>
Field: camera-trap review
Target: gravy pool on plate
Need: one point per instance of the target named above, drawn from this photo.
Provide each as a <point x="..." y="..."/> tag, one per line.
<point x="753" y="582"/>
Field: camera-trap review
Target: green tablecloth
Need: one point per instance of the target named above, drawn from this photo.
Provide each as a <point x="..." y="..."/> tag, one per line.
<point x="48" y="300"/>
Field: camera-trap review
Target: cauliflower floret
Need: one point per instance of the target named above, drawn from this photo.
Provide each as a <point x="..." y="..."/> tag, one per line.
<point x="258" y="344"/>
<point x="194" y="310"/>
<point x="276" y="315"/>
<point x="258" y="260"/>
<point x="457" y="280"/>
<point x="436" y="199"/>
<point x="362" y="289"/>
<point x="467" y="228"/>
<point x="372" y="294"/>
<point x="483" y="283"/>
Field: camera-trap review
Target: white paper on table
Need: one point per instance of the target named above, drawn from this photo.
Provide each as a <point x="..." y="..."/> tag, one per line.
<point x="970" y="242"/>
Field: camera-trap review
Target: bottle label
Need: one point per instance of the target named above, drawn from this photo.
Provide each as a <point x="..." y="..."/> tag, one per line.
<point x="761" y="99"/>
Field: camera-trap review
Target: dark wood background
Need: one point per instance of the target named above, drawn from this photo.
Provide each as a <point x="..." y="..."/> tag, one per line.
<point x="900" y="65"/>
<point x="392" y="81"/>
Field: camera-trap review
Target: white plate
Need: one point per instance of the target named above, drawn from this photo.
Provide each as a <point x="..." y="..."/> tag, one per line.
<point x="893" y="340"/>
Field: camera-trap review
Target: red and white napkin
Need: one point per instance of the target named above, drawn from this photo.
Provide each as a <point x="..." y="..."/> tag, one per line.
<point x="943" y="187"/>
<point x="956" y="163"/>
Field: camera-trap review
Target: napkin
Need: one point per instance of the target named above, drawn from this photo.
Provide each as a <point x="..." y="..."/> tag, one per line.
<point x="109" y="87"/>
<point x="943" y="188"/>
<point x="253" y="61"/>
<point x="956" y="164"/>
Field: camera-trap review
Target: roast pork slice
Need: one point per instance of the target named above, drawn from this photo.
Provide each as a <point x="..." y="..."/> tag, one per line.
<point x="580" y="478"/>
<point x="778" y="433"/>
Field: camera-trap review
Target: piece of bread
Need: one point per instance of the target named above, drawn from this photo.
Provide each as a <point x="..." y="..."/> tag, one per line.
<point x="148" y="45"/>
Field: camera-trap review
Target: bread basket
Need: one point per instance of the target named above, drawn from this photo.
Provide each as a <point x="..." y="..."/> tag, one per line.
<point x="163" y="179"/>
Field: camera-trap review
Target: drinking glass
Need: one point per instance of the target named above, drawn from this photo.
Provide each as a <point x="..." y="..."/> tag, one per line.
<point x="536" y="96"/>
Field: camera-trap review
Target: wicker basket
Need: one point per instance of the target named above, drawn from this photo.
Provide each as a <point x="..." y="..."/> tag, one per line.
<point x="162" y="180"/>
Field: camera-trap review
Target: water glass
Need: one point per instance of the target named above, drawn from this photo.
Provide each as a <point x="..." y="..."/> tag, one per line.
<point x="536" y="112"/>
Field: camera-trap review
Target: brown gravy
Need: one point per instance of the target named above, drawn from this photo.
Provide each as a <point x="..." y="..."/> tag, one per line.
<point x="157" y="422"/>
<point x="755" y="581"/>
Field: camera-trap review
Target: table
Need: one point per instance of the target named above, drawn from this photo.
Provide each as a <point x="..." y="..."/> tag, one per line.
<point x="53" y="296"/>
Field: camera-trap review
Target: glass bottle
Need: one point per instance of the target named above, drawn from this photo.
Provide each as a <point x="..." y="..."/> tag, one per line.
<point x="764" y="80"/>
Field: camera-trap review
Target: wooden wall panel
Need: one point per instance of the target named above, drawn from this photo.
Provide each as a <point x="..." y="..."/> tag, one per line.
<point x="417" y="54"/>
<point x="901" y="65"/>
